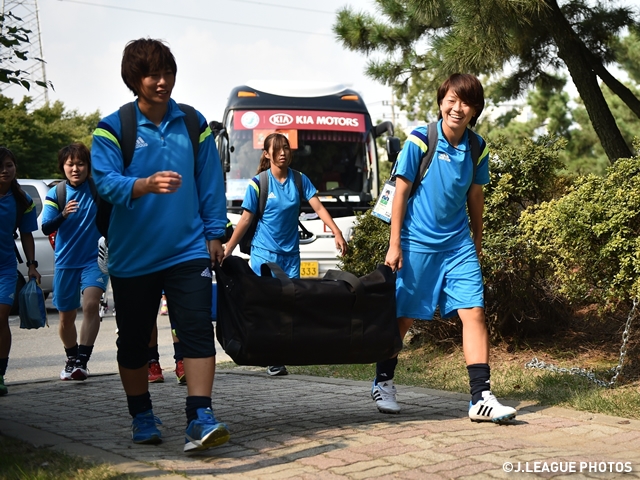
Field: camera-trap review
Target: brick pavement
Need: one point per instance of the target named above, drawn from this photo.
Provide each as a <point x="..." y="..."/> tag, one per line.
<point x="299" y="427"/>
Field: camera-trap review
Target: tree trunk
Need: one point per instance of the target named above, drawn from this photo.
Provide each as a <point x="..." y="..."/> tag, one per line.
<point x="570" y="50"/>
<point x="615" y="85"/>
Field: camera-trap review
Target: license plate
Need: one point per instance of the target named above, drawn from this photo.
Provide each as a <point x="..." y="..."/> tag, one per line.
<point x="308" y="269"/>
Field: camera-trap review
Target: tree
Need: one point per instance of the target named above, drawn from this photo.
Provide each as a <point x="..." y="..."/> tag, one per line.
<point x="14" y="40"/>
<point x="524" y="43"/>
<point x="36" y="137"/>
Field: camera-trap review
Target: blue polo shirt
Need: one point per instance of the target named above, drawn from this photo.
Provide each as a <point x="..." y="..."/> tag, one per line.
<point x="277" y="230"/>
<point x="156" y="231"/>
<point x="77" y="237"/>
<point x="29" y="223"/>
<point x="436" y="219"/>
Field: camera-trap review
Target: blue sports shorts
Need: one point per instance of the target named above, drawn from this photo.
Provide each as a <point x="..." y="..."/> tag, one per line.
<point x="8" y="280"/>
<point x="450" y="280"/>
<point x="69" y="283"/>
<point x="290" y="264"/>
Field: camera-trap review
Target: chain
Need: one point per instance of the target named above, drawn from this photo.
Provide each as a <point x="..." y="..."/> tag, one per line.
<point x="615" y="371"/>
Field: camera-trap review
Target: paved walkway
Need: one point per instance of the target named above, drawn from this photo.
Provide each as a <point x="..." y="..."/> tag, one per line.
<point x="299" y="427"/>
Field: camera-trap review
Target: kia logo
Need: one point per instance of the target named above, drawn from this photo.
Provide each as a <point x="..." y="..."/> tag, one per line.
<point x="280" y="119"/>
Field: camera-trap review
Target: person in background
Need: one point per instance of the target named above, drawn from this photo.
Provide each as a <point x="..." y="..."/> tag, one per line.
<point x="277" y="239"/>
<point x="17" y="210"/>
<point x="77" y="275"/>
<point x="435" y="251"/>
<point x="145" y="256"/>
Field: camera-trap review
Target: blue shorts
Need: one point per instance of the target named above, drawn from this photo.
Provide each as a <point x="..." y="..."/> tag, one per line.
<point x="69" y="283"/>
<point x="290" y="264"/>
<point x="8" y="280"/>
<point x="450" y="280"/>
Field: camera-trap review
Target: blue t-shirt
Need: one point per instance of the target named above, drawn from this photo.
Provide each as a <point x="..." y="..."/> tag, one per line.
<point x="157" y="231"/>
<point x="77" y="237"/>
<point x="277" y="230"/>
<point x="436" y="219"/>
<point x="29" y="223"/>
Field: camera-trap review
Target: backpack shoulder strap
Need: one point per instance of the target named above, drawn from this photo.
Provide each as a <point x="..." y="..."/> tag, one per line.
<point x="425" y="162"/>
<point x="61" y="195"/>
<point x="128" y="132"/>
<point x="476" y="148"/>
<point x="263" y="191"/>
<point x="297" y="178"/>
<point x="193" y="128"/>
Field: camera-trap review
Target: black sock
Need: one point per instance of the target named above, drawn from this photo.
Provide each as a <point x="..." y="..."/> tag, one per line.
<point x="193" y="404"/>
<point x="177" y="351"/>
<point x="3" y="365"/>
<point x="479" y="380"/>
<point x="72" y="352"/>
<point x="138" y="403"/>
<point x="153" y="354"/>
<point x="84" y="354"/>
<point x="386" y="369"/>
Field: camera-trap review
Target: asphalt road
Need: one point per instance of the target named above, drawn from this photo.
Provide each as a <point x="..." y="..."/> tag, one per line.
<point x="39" y="354"/>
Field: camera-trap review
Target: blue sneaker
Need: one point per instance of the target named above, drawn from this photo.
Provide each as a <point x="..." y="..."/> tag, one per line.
<point x="205" y="432"/>
<point x="144" y="430"/>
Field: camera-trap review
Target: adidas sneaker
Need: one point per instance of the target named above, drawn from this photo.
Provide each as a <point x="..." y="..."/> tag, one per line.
<point x="384" y="394"/>
<point x="489" y="409"/>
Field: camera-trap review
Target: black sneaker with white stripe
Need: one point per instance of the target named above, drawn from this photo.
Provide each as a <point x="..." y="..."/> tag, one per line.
<point x="489" y="409"/>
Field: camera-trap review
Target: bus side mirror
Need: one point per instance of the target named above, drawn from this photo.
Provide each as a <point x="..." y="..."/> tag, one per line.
<point x="393" y="148"/>
<point x="223" y="149"/>
<point x="384" y="127"/>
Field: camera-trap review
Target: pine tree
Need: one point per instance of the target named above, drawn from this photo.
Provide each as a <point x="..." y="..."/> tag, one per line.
<point x="522" y="42"/>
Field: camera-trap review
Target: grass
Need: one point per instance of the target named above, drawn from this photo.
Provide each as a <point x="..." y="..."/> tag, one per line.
<point x="444" y="369"/>
<point x="22" y="461"/>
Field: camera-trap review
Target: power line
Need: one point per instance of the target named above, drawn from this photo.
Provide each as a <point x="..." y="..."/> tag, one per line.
<point x="285" y="6"/>
<point x="200" y="19"/>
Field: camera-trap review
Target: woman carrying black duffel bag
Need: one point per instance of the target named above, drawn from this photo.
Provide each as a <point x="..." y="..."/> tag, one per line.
<point x="276" y="237"/>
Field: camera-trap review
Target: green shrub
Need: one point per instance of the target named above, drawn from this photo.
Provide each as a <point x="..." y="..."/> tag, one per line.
<point x="590" y="238"/>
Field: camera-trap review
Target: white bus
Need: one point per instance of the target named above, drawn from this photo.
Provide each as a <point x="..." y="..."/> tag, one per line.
<point x="333" y="142"/>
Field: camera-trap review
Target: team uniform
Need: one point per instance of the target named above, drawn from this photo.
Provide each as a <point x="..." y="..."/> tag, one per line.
<point x="76" y="252"/>
<point x="277" y="239"/>
<point x="147" y="255"/>
<point x="440" y="266"/>
<point x="8" y="261"/>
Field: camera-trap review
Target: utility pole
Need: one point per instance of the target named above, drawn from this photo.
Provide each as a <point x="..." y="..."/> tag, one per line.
<point x="27" y="11"/>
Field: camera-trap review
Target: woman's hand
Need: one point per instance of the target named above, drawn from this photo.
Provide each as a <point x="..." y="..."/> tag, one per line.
<point x="33" y="273"/>
<point x="341" y="243"/>
<point x="69" y="208"/>
<point x="394" y="258"/>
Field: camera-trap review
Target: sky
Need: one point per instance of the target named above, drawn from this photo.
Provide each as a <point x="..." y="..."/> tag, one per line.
<point x="218" y="44"/>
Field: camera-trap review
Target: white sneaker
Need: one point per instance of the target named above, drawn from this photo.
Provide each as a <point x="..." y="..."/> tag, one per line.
<point x="489" y="409"/>
<point x="69" y="365"/>
<point x="384" y="394"/>
<point x="103" y="256"/>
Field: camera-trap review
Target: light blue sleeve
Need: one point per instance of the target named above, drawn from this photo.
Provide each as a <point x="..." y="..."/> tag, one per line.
<point x="482" y="172"/>
<point x="29" y="221"/>
<point x="50" y="207"/>
<point x="250" y="201"/>
<point x="308" y="188"/>
<point x="409" y="160"/>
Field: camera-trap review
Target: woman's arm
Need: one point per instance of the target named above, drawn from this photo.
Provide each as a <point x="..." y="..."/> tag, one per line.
<point x="325" y="216"/>
<point x="238" y="233"/>
<point x="475" y="204"/>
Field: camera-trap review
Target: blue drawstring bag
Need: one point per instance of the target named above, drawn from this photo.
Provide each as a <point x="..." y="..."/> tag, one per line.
<point x="33" y="313"/>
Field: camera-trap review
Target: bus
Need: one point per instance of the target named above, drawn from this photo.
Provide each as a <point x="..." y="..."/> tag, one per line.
<point x="333" y="141"/>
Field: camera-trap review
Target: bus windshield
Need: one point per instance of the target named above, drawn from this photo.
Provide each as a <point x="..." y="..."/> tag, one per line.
<point x="336" y="161"/>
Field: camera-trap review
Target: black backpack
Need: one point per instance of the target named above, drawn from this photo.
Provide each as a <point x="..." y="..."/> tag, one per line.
<point x="61" y="193"/>
<point x="432" y="138"/>
<point x="129" y="134"/>
<point x="263" y="179"/>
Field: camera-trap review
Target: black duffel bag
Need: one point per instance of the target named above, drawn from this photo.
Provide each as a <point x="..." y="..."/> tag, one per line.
<point x="274" y="320"/>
